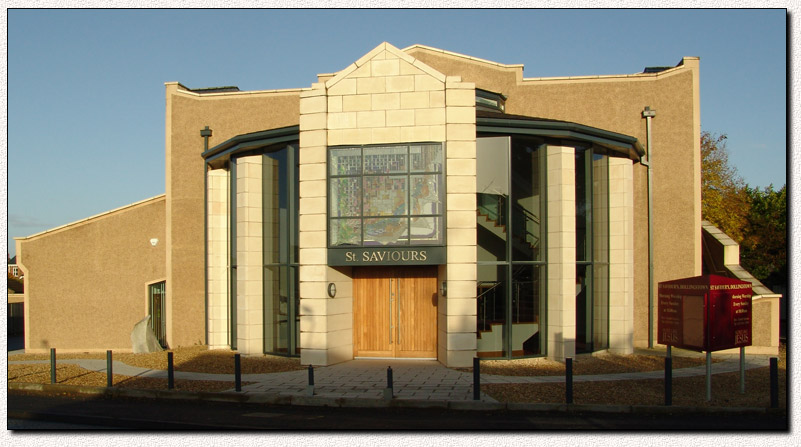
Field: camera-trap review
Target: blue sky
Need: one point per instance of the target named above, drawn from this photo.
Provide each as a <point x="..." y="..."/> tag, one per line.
<point x="86" y="87"/>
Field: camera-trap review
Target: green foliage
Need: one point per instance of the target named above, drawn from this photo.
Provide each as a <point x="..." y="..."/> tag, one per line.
<point x="724" y="201"/>
<point x="763" y="251"/>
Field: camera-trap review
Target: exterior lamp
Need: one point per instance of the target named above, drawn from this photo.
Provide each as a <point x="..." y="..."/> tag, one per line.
<point x="443" y="290"/>
<point x="332" y="289"/>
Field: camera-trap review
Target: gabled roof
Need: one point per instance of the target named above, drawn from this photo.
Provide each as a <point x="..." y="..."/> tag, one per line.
<point x="384" y="46"/>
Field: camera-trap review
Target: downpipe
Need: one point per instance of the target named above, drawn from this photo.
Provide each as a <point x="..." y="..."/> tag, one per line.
<point x="647" y="113"/>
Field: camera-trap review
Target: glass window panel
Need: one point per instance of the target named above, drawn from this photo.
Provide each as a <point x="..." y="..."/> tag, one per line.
<point x="425" y="195"/>
<point x="600" y="249"/>
<point x="346" y="232"/>
<point x="426" y="158"/>
<point x="386" y="231"/>
<point x="346" y="197"/>
<point x="527" y="285"/>
<point x="583" y="204"/>
<point x="385" y="195"/>
<point x="491" y="311"/>
<point x="426" y="230"/>
<point x="492" y="183"/>
<point x="385" y="160"/>
<point x="345" y="161"/>
<point x="528" y="200"/>
<point x="275" y="200"/>
<point x="276" y="309"/>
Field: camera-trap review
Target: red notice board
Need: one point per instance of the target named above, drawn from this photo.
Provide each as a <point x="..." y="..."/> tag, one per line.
<point x="704" y="313"/>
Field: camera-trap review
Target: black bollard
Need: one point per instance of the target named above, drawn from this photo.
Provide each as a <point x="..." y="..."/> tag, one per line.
<point x="109" y="372"/>
<point x="569" y="380"/>
<point x="52" y="365"/>
<point x="388" y="391"/>
<point x="170" y="375"/>
<point x="476" y="378"/>
<point x="310" y="386"/>
<point x="668" y="381"/>
<point x="237" y="372"/>
<point x="774" y="382"/>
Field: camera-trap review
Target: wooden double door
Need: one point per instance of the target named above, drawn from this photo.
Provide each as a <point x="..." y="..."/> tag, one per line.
<point x="395" y="312"/>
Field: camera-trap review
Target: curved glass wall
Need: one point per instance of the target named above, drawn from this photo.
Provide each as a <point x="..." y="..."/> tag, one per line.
<point x="279" y="203"/>
<point x="510" y="183"/>
<point x="512" y="266"/>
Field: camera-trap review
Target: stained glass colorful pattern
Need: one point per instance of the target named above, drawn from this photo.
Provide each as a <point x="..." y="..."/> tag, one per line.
<point x="378" y="193"/>
<point x="385" y="195"/>
<point x="346" y="232"/>
<point x="346" y="197"/>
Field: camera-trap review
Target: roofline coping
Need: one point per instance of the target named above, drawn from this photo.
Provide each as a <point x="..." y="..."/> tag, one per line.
<point x="187" y="91"/>
<point x="96" y="216"/>
<point x="667" y="72"/>
<point x="464" y="56"/>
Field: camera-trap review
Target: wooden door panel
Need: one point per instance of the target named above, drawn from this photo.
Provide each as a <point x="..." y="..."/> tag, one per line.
<point x="411" y="321"/>
<point x="417" y="316"/>
<point x="371" y="319"/>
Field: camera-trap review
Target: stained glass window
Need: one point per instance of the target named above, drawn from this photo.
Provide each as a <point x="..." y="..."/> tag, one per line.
<point x="386" y="195"/>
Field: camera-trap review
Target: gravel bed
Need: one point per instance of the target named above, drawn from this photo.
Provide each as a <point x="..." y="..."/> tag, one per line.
<point x="67" y="374"/>
<point x="190" y="359"/>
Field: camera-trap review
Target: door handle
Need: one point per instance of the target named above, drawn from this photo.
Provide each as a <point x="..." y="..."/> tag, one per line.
<point x="397" y="287"/>
<point x="390" y="311"/>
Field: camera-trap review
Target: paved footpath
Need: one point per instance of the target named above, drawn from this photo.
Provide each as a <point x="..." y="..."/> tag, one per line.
<point x="412" y="379"/>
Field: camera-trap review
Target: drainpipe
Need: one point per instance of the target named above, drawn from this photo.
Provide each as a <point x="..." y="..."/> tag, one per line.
<point x="647" y="113"/>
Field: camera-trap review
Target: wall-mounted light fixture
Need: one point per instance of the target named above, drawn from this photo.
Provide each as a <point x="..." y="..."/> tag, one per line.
<point x="443" y="290"/>
<point x="332" y="289"/>
<point x="154" y="241"/>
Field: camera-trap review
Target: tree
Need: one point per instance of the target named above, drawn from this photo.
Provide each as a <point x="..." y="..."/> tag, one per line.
<point x="763" y="251"/>
<point x="724" y="200"/>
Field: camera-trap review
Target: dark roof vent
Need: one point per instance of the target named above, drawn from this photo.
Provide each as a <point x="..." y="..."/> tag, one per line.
<point x="230" y="88"/>
<point x="490" y="101"/>
<point x="656" y="69"/>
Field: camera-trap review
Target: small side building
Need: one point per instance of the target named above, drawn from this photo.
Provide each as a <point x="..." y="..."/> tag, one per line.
<point x="87" y="283"/>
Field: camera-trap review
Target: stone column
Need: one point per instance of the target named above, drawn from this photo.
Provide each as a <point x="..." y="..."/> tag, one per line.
<point x="250" y="266"/>
<point x="314" y="301"/>
<point x="621" y="256"/>
<point x="561" y="252"/>
<point x="218" y="257"/>
<point x="457" y="338"/>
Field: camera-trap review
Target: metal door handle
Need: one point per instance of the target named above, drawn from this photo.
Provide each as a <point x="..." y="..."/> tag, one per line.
<point x="390" y="311"/>
<point x="397" y="286"/>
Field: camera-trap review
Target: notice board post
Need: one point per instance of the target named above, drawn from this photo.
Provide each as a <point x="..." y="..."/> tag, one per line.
<point x="705" y="313"/>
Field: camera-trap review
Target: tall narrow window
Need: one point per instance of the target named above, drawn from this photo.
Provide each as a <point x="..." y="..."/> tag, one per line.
<point x="280" y="250"/>
<point x="157" y="308"/>
<point x="592" y="250"/>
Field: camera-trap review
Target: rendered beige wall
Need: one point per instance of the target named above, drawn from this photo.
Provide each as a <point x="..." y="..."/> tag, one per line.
<point x="615" y="103"/>
<point x="71" y="300"/>
<point x="228" y="115"/>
